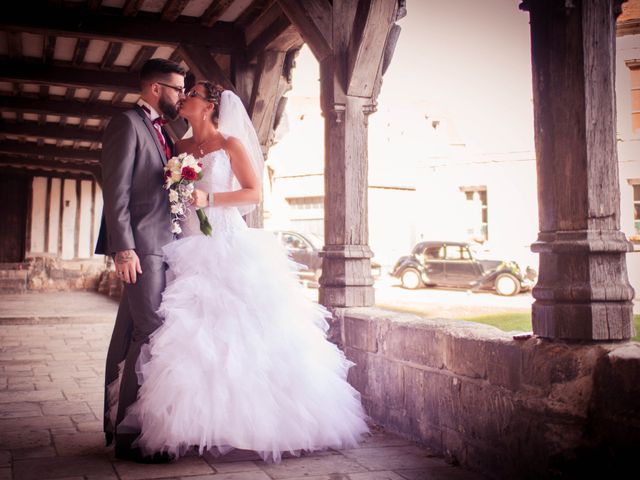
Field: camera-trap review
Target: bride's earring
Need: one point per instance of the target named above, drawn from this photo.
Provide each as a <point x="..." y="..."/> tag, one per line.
<point x="204" y="116"/>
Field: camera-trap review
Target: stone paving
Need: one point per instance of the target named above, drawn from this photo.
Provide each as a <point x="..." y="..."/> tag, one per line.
<point x="52" y="350"/>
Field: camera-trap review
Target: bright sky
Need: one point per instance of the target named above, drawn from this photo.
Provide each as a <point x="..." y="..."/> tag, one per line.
<point x="464" y="63"/>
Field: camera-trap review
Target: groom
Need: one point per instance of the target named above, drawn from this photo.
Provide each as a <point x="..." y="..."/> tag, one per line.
<point x="136" y="225"/>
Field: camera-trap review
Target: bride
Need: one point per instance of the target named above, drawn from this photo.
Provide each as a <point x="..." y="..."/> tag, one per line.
<point x="241" y="360"/>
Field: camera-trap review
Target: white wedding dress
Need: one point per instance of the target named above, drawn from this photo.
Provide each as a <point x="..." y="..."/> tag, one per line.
<point x="241" y="360"/>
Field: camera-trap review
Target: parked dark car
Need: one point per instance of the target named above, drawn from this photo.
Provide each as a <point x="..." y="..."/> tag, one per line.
<point x="452" y="264"/>
<point x="305" y="248"/>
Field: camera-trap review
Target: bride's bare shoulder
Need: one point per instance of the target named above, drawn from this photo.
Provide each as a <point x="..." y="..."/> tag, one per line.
<point x="232" y="145"/>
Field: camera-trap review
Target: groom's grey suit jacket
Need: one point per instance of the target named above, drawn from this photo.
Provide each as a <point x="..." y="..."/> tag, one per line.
<point x="136" y="207"/>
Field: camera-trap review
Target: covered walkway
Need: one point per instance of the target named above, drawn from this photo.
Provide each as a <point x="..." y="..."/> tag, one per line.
<point x="52" y="351"/>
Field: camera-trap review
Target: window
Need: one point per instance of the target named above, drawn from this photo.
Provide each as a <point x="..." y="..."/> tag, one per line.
<point x="477" y="217"/>
<point x="455" y="252"/>
<point x="634" y="67"/>
<point x="434" y="253"/>
<point x="306" y="203"/>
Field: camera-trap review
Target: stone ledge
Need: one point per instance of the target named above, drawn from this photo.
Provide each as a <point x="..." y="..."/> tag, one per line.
<point x="505" y="407"/>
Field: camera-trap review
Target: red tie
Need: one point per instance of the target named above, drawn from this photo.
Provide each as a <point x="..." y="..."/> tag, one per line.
<point x="157" y="126"/>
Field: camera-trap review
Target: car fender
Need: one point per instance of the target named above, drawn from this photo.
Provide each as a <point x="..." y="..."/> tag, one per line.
<point x="406" y="262"/>
<point x="490" y="278"/>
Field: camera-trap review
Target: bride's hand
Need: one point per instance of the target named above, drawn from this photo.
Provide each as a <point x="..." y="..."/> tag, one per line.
<point x="200" y="199"/>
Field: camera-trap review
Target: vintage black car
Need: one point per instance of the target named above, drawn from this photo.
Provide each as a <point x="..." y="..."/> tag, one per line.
<point x="452" y="264"/>
<point x="305" y="248"/>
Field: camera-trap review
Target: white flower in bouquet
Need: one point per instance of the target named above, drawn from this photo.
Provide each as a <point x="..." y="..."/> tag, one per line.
<point x="180" y="173"/>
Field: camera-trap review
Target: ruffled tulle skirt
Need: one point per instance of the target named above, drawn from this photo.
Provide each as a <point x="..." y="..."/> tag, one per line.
<point x="241" y="360"/>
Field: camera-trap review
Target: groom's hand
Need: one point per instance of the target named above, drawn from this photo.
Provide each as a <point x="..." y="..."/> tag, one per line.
<point x="127" y="266"/>
<point x="200" y="199"/>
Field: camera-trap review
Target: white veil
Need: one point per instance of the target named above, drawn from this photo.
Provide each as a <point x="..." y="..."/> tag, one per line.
<point x="233" y="121"/>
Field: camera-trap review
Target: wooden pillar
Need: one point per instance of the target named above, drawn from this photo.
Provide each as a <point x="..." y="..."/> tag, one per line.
<point x="349" y="75"/>
<point x="583" y="291"/>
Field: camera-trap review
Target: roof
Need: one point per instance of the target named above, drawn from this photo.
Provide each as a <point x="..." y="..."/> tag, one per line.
<point x="67" y="66"/>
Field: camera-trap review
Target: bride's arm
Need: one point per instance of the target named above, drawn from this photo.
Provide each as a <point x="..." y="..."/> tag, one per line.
<point x="250" y="188"/>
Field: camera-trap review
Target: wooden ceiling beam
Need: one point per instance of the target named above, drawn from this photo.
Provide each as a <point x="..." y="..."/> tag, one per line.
<point x="213" y="13"/>
<point x="172" y="10"/>
<point x="94" y="5"/>
<point x="373" y="21"/>
<point x="204" y="66"/>
<point x="131" y="7"/>
<point x="269" y="35"/>
<point x="35" y="171"/>
<point x="32" y="129"/>
<point x="28" y="72"/>
<point x="49" y="48"/>
<point x="222" y="37"/>
<point x="314" y="21"/>
<point x="80" y="51"/>
<point x="46" y="163"/>
<point x="144" y="54"/>
<point x="110" y="56"/>
<point x="14" y="44"/>
<point x="49" y="151"/>
<point x="264" y="97"/>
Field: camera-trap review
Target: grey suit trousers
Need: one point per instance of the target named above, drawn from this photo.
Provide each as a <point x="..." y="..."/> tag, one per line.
<point x="137" y="318"/>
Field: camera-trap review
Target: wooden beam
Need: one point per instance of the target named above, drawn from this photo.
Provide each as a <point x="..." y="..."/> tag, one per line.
<point x="313" y="19"/>
<point x="223" y="37"/>
<point x="251" y="12"/>
<point x="48" y="48"/>
<point x="94" y="5"/>
<point x="144" y="54"/>
<point x="110" y="56"/>
<point x="260" y="24"/>
<point x="66" y="132"/>
<point x="215" y="11"/>
<point x="269" y="35"/>
<point x="172" y="10"/>
<point x="35" y="171"/>
<point x="131" y="7"/>
<point x="204" y="66"/>
<point x="80" y="51"/>
<point x="366" y="46"/>
<point x="56" y="164"/>
<point x="50" y="151"/>
<point x="14" y="44"/>
<point x="263" y="99"/>
<point x="243" y="75"/>
<point x="175" y="56"/>
<point x="21" y="71"/>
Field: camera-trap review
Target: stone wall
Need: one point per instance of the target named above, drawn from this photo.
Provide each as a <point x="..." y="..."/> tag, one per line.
<point x="509" y="408"/>
<point x="44" y="273"/>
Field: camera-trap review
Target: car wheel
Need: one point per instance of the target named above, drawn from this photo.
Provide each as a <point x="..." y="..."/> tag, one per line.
<point x="507" y="285"/>
<point x="410" y="279"/>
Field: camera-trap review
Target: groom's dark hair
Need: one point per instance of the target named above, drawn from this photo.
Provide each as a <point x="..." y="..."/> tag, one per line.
<point x="156" y="68"/>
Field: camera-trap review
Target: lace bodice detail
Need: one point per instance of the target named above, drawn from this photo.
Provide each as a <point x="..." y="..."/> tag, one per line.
<point x="217" y="176"/>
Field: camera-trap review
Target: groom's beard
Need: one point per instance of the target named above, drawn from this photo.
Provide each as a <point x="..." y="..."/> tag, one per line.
<point x="169" y="110"/>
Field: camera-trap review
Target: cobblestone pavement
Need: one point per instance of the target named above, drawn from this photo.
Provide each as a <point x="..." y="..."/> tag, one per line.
<point x="52" y="350"/>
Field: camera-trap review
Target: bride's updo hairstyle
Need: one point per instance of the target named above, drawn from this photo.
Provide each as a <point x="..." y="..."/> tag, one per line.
<point x="213" y="92"/>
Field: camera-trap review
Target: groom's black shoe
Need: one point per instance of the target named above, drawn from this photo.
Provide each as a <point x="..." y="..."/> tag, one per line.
<point x="135" y="455"/>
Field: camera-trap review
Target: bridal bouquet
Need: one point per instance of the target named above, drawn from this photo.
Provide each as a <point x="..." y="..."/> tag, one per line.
<point x="179" y="175"/>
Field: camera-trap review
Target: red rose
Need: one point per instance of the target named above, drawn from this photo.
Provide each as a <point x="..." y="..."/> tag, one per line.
<point x="188" y="173"/>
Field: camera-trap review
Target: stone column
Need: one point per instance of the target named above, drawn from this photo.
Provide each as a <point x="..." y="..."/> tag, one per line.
<point x="583" y="291"/>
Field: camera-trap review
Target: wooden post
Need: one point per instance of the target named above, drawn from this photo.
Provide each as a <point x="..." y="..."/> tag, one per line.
<point x="348" y="76"/>
<point x="583" y="291"/>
